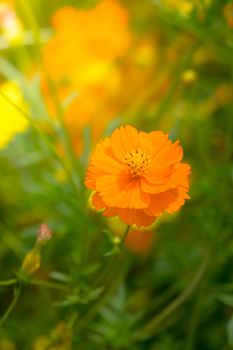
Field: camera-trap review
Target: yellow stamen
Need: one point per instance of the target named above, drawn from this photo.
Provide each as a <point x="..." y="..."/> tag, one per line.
<point x="137" y="162"/>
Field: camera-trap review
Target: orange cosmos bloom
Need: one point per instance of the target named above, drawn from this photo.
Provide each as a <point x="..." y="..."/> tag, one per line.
<point x="81" y="58"/>
<point x="140" y="242"/>
<point x="86" y="42"/>
<point x="138" y="176"/>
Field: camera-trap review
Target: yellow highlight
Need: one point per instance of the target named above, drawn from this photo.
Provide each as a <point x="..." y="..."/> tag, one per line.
<point x="10" y="26"/>
<point x="11" y="120"/>
<point x="184" y="7"/>
<point x="189" y="76"/>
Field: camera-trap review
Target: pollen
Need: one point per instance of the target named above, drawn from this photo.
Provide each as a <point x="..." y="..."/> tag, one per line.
<point x="137" y="163"/>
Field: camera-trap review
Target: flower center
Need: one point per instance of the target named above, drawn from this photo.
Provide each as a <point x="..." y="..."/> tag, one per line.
<point x="137" y="162"/>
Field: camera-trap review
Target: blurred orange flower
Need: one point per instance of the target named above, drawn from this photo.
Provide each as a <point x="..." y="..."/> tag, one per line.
<point x="138" y="176"/>
<point x="86" y="42"/>
<point x="228" y="14"/>
<point x="140" y="242"/>
<point x="81" y="59"/>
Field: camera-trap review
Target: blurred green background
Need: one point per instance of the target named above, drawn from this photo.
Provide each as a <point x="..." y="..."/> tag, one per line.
<point x="70" y="73"/>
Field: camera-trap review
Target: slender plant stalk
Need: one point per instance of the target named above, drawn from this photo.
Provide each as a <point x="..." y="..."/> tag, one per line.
<point x="79" y="324"/>
<point x="183" y="64"/>
<point x="166" y="102"/>
<point x="124" y="236"/>
<point x="190" y="340"/>
<point x="114" y="268"/>
<point x="17" y="292"/>
<point x="8" y="282"/>
<point x="48" y="284"/>
<point x="46" y="140"/>
<point x="152" y="326"/>
<point x="101" y="279"/>
<point x="165" y="296"/>
<point x="29" y="15"/>
<point x="118" y="274"/>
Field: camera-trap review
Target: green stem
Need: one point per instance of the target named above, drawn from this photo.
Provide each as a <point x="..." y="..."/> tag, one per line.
<point x="47" y="284"/>
<point x="190" y="340"/>
<point x="166" y="102"/>
<point x="115" y="268"/>
<point x="111" y="262"/>
<point x="46" y="140"/>
<point x="152" y="326"/>
<point x="17" y="292"/>
<point x="8" y="282"/>
<point x="118" y="274"/>
<point x="165" y="296"/>
<point x="124" y="236"/>
<point x="29" y="15"/>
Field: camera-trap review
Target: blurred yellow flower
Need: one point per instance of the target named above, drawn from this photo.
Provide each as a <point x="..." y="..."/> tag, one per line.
<point x="184" y="7"/>
<point x="11" y="121"/>
<point x="10" y="26"/>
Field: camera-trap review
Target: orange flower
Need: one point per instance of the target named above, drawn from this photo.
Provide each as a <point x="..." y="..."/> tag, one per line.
<point x="138" y="176"/>
<point x="140" y="242"/>
<point x="228" y="14"/>
<point x="87" y="42"/>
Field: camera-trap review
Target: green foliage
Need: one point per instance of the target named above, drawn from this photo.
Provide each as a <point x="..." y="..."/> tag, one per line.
<point x="90" y="293"/>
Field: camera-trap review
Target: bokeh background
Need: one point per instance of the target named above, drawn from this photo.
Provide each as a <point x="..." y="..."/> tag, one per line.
<point x="70" y="73"/>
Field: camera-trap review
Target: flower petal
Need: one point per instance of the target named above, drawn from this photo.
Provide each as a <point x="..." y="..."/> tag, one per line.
<point x="97" y="201"/>
<point x="153" y="188"/>
<point x="160" y="202"/>
<point x="122" y="192"/>
<point x="123" y="140"/>
<point x="137" y="217"/>
<point x="109" y="212"/>
<point x="157" y="139"/>
<point x="180" y="176"/>
<point x="102" y="162"/>
<point x="171" y="153"/>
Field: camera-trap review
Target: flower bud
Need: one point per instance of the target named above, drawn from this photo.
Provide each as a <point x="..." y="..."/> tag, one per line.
<point x="31" y="262"/>
<point x="116" y="240"/>
<point x="44" y="234"/>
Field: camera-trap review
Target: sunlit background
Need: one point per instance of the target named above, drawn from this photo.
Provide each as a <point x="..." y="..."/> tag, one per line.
<point x="71" y="72"/>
